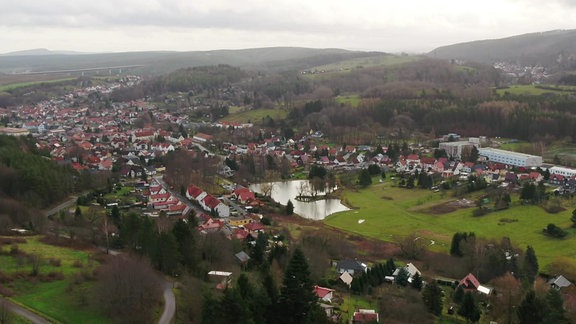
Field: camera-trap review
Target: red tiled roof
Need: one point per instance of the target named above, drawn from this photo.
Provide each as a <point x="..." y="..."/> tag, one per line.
<point x="194" y="191"/>
<point x="321" y="292"/>
<point x="470" y="282"/>
<point x="254" y="226"/>
<point x="211" y="201"/>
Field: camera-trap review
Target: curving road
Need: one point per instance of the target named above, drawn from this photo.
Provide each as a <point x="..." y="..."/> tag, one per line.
<point x="21" y="311"/>
<point x="169" y="304"/>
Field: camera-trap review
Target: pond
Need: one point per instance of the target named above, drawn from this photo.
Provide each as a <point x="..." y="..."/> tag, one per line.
<point x="289" y="190"/>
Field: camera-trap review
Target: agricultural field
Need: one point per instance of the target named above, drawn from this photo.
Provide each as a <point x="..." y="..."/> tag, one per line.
<point x="62" y="274"/>
<point x="364" y="62"/>
<point x="389" y="213"/>
<point x="8" y="84"/>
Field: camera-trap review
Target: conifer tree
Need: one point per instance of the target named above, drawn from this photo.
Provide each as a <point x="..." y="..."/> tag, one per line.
<point x="432" y="296"/>
<point x="417" y="281"/>
<point x="530" y="265"/>
<point x="469" y="309"/>
<point x="297" y="298"/>
<point x="531" y="309"/>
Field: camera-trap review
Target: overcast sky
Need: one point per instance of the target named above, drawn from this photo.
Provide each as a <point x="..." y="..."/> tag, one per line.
<point x="186" y="25"/>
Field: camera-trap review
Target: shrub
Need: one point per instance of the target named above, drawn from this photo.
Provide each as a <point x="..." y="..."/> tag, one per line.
<point x="555" y="231"/>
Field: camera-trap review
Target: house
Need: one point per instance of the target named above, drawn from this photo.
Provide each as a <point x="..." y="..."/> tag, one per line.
<point x="223" y="279"/>
<point x="210" y="203"/>
<point x="211" y="225"/>
<point x="470" y="283"/>
<point x="242" y="257"/>
<point x="254" y="227"/>
<point x="346" y="278"/>
<point x="351" y="266"/>
<point x="325" y="294"/>
<point x="410" y="268"/>
<point x="559" y="282"/>
<point x="329" y="310"/>
<point x="365" y="316"/>
<point x="244" y="195"/>
<point x="195" y="193"/>
<point x="202" y="138"/>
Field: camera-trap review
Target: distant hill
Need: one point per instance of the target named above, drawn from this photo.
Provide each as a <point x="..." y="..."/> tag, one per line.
<point x="555" y="50"/>
<point x="274" y="58"/>
<point x="39" y="51"/>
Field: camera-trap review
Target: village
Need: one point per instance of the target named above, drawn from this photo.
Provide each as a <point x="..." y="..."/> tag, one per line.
<point x="109" y="139"/>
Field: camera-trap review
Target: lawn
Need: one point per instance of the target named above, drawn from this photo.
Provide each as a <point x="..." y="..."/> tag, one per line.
<point x="388" y="213"/>
<point x="351" y="302"/>
<point x="58" y="269"/>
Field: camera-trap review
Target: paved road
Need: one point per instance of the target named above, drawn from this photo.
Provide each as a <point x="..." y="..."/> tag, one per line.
<point x="66" y="204"/>
<point x="32" y="317"/>
<point x="169" y="304"/>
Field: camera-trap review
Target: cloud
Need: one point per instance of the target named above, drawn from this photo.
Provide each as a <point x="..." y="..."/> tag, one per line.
<point x="366" y="24"/>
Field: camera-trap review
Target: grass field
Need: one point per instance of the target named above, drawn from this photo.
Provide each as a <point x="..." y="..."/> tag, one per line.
<point x="12" y="86"/>
<point x="255" y="115"/>
<point x="388" y="213"/>
<point x="364" y="62"/>
<point x="69" y="307"/>
<point x="352" y="100"/>
<point x="535" y="90"/>
<point x="57" y="297"/>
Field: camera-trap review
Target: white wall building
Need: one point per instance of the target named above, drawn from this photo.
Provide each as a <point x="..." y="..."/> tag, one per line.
<point x="455" y="149"/>
<point x="511" y="158"/>
<point x="566" y="172"/>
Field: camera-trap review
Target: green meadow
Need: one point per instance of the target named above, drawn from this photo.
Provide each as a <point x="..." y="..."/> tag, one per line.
<point x="61" y="290"/>
<point x="255" y="115"/>
<point x="390" y="213"/>
<point x="535" y="90"/>
<point x="351" y="100"/>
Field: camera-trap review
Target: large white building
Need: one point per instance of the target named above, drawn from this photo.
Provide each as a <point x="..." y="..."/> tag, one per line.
<point x="455" y="149"/>
<point x="511" y="158"/>
<point x="566" y="172"/>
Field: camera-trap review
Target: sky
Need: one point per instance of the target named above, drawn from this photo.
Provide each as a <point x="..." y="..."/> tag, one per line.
<point x="412" y="26"/>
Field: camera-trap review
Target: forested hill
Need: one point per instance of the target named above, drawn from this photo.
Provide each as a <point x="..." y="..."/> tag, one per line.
<point x="276" y="58"/>
<point x="32" y="179"/>
<point x="552" y="49"/>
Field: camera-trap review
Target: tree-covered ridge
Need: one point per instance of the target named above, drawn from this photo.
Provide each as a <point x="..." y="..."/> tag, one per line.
<point x="30" y="178"/>
<point x="197" y="79"/>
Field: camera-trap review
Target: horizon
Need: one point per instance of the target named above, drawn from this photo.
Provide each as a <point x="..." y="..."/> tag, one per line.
<point x="416" y="26"/>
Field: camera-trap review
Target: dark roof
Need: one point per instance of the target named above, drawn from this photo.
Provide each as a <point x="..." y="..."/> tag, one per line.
<point x="350" y="265"/>
<point x="242" y="256"/>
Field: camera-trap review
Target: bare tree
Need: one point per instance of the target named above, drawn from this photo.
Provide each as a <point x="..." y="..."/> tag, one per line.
<point x="413" y="246"/>
<point x="127" y="290"/>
